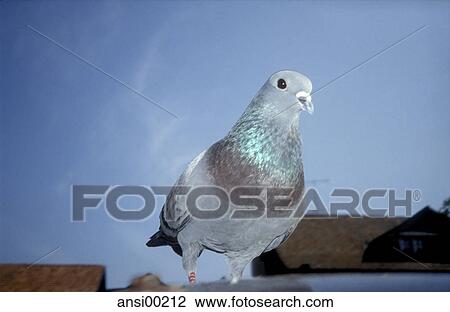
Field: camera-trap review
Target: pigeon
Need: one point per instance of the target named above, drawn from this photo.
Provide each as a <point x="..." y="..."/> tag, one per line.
<point x="263" y="149"/>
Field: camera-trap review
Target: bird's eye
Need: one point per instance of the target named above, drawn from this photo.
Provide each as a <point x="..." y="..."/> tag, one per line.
<point x="281" y="84"/>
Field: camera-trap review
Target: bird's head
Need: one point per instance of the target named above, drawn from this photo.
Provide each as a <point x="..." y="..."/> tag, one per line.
<point x="277" y="106"/>
<point x="288" y="86"/>
<point x="284" y="95"/>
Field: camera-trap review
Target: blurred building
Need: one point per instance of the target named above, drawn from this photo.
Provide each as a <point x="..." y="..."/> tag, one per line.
<point x="23" y="277"/>
<point x="425" y="237"/>
<point x="346" y="244"/>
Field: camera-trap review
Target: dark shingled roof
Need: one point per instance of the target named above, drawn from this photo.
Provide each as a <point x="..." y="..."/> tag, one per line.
<point x="22" y="277"/>
<point x="333" y="244"/>
<point x="425" y="237"/>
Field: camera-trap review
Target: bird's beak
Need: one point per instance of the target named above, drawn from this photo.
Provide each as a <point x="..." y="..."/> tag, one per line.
<point x="304" y="98"/>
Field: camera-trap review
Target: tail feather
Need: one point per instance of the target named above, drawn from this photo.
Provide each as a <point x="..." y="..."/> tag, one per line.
<point x="159" y="239"/>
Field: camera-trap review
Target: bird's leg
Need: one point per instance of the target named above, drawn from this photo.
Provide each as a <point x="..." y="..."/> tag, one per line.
<point x="236" y="274"/>
<point x="235" y="278"/>
<point x="190" y="265"/>
<point x="192" y="278"/>
<point x="237" y="266"/>
<point x="190" y="255"/>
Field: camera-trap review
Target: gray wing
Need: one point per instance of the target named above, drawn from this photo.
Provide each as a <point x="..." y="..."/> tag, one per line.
<point x="174" y="215"/>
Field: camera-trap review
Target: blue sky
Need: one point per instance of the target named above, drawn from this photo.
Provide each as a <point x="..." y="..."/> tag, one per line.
<point x="386" y="124"/>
